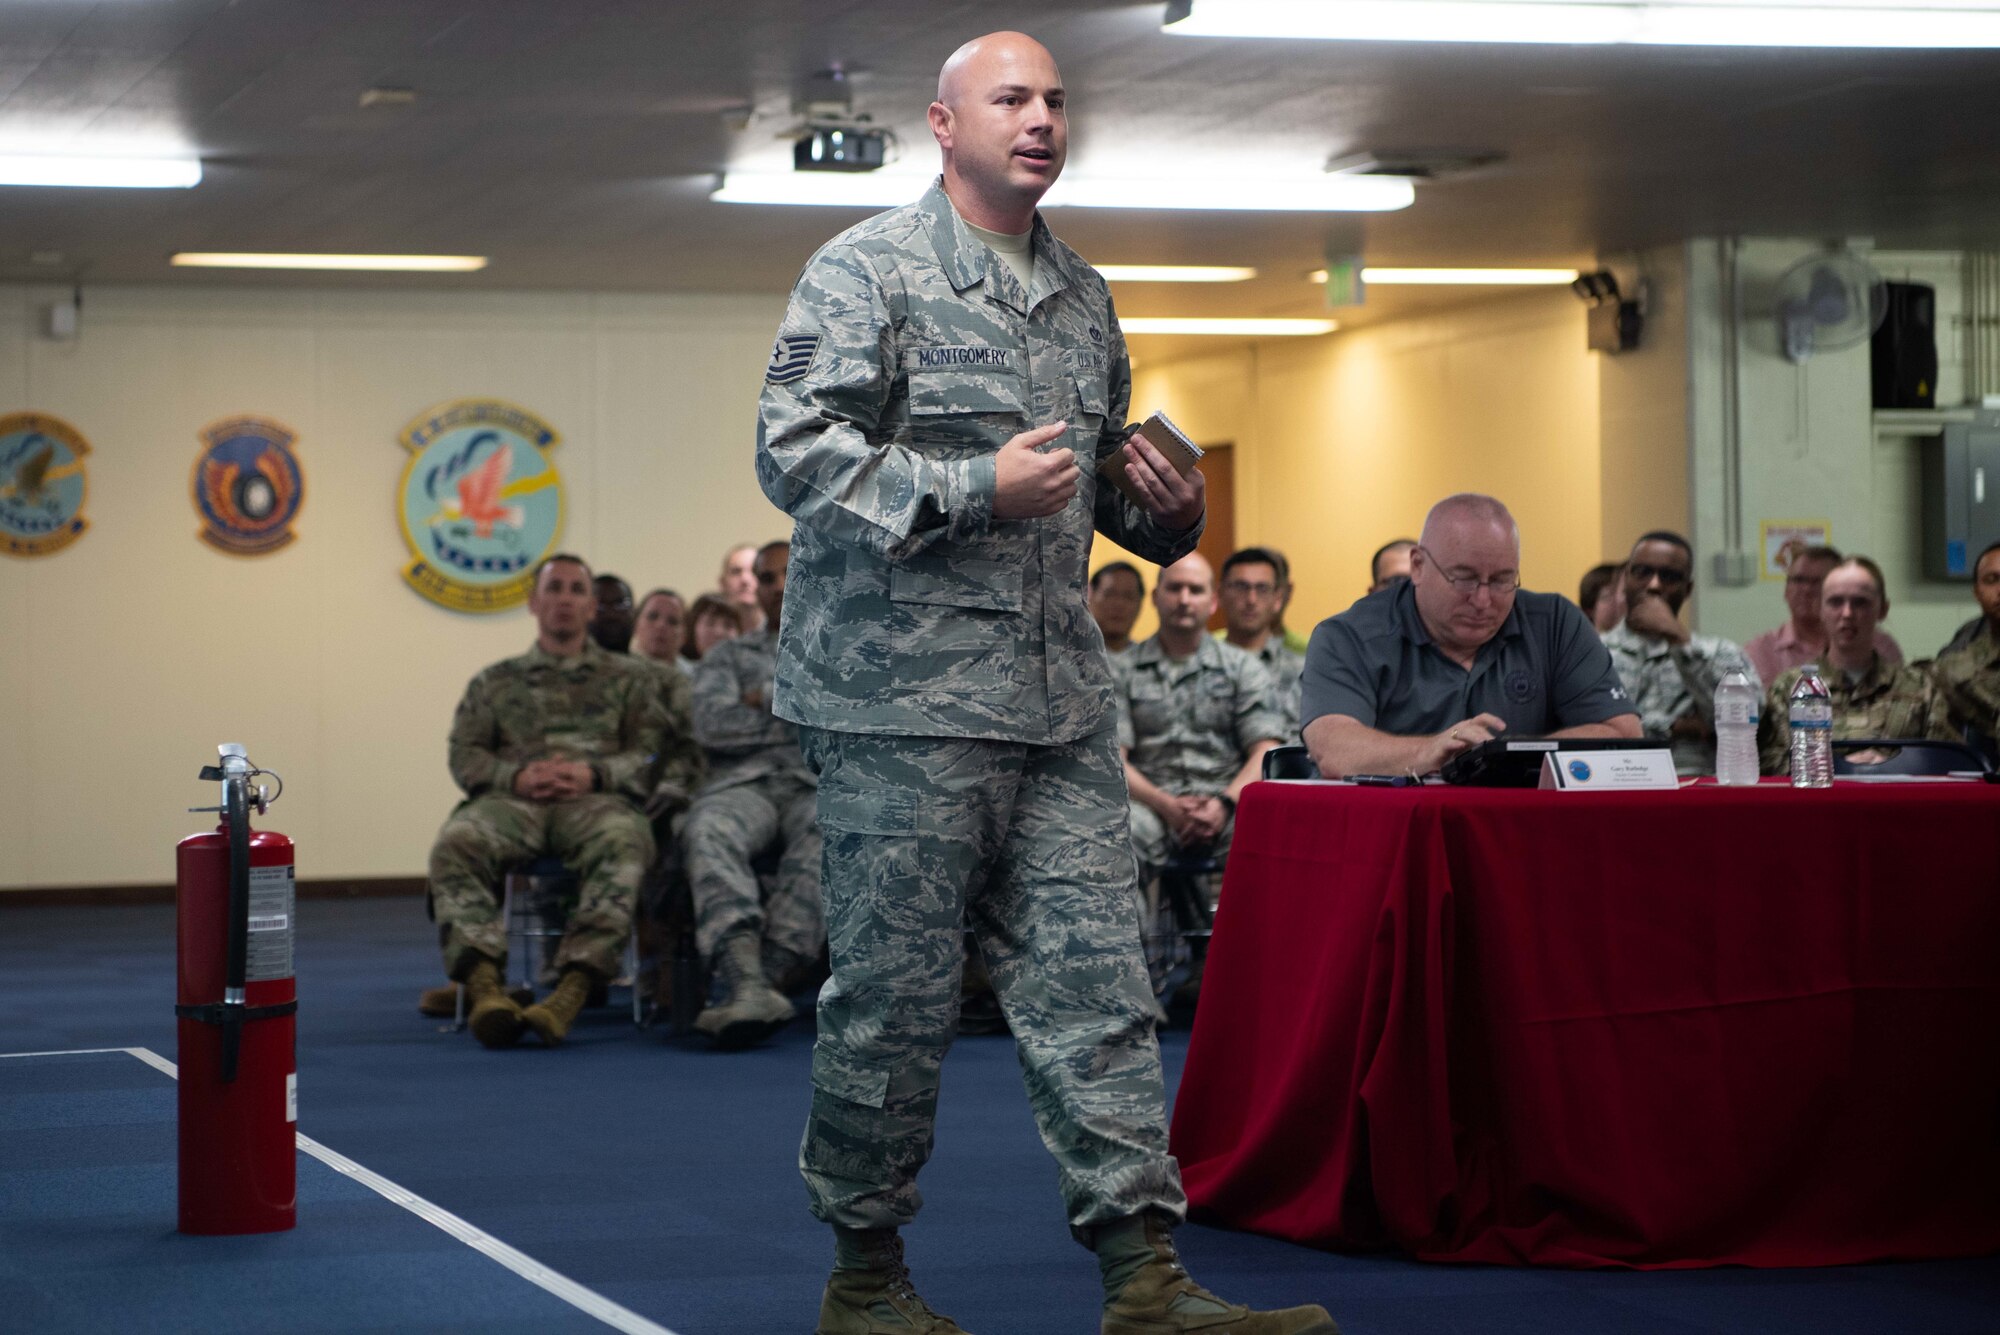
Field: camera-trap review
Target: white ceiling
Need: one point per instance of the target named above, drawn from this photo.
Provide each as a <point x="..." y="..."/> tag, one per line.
<point x="574" y="141"/>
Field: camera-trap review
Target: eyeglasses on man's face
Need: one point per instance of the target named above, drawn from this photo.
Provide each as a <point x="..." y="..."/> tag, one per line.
<point x="1467" y="584"/>
<point x="1244" y="588"/>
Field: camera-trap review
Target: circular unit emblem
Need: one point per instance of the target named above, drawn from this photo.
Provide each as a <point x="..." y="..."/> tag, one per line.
<point x="42" y="484"/>
<point x="247" y="485"/>
<point x="481" y="503"/>
<point x="1580" y="771"/>
<point x="1520" y="684"/>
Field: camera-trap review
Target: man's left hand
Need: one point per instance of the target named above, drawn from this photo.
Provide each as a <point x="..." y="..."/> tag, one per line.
<point x="1655" y="620"/>
<point x="570" y="779"/>
<point x="1207" y="816"/>
<point x="1176" y="501"/>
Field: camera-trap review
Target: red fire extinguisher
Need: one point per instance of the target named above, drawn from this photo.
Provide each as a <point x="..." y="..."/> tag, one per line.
<point x="237" y="998"/>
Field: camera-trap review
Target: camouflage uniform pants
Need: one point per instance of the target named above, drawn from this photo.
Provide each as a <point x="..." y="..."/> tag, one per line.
<point x="1153" y="844"/>
<point x="725" y="831"/>
<point x="1028" y="846"/>
<point x="603" y="839"/>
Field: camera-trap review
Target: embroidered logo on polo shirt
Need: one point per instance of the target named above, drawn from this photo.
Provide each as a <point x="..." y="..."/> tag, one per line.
<point x="1520" y="686"/>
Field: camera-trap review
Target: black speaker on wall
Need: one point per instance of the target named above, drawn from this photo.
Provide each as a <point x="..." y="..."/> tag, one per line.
<point x="1904" y="349"/>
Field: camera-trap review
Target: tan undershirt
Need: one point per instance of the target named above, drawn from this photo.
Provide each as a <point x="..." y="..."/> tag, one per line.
<point x="1017" y="251"/>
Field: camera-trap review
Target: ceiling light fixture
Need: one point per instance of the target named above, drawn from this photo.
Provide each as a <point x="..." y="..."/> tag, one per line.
<point x="1149" y="324"/>
<point x="1458" y="277"/>
<point x="1311" y="194"/>
<point x="215" y="259"/>
<point x="1174" y="273"/>
<point x="129" y="173"/>
<point x="1788" y="23"/>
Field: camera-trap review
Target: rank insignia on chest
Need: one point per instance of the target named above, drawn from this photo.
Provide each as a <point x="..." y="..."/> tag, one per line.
<point x="791" y="358"/>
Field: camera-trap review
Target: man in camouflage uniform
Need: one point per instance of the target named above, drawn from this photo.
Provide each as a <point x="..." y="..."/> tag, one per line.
<point x="1872" y="697"/>
<point x="956" y="704"/>
<point x="555" y="751"/>
<point x="1968" y="675"/>
<point x="760" y="797"/>
<point x="1669" y="671"/>
<point x="1255" y="585"/>
<point x="1195" y="717"/>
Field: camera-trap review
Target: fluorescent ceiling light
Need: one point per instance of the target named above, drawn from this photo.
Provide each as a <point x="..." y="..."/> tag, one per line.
<point x="136" y="173"/>
<point x="1460" y="277"/>
<point x="214" y="259"/>
<point x="1308" y="194"/>
<point x="1147" y="324"/>
<point x="1793" y="23"/>
<point x="1173" y="273"/>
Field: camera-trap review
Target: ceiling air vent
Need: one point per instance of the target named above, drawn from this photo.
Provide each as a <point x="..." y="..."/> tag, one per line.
<point x="1415" y="164"/>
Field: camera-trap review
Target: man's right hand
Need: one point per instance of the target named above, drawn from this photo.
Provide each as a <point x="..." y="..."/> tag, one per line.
<point x="1458" y="737"/>
<point x="1028" y="484"/>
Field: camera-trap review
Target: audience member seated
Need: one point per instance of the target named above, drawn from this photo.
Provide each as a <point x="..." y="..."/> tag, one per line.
<point x="660" y="630"/>
<point x="1802" y="639"/>
<point x="1415" y="673"/>
<point x="611" y="621"/>
<point x="1116" y="591"/>
<point x="1669" y="671"/>
<point x="1602" y="596"/>
<point x="1390" y="563"/>
<point x="1968" y="674"/>
<point x="1195" y="717"/>
<point x="1253" y="583"/>
<point x="1872" y="697"/>
<point x="555" y="751"/>
<point x="760" y="797"/>
<point x="737" y="584"/>
<point x="711" y="620"/>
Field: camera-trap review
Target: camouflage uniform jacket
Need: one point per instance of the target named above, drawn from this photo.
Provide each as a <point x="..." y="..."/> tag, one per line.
<point x="1287" y="667"/>
<point x="599" y="707"/>
<point x="908" y="356"/>
<point x="1890" y="700"/>
<point x="1969" y="679"/>
<point x="1670" y="681"/>
<point x="682" y="766"/>
<point x="1188" y="724"/>
<point x="744" y="742"/>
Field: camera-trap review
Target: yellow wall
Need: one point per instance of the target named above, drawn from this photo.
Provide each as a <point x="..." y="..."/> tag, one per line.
<point x="125" y="658"/>
<point x="1343" y="442"/>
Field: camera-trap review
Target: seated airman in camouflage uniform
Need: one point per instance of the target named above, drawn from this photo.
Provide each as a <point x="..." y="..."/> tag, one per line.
<point x="1669" y="671"/>
<point x="760" y="797"/>
<point x="1256" y="586"/>
<point x="1969" y="675"/>
<point x="555" y="751"/>
<point x="1871" y="696"/>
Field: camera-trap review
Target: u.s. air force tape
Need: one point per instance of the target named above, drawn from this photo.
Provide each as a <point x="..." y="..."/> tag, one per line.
<point x="792" y="358"/>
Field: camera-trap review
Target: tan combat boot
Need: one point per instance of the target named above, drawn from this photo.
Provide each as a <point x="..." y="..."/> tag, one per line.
<point x="751" y="1010"/>
<point x="439" y="1002"/>
<point x="1148" y="1292"/>
<point x="552" y="1016"/>
<point x="869" y="1292"/>
<point x="496" y="1017"/>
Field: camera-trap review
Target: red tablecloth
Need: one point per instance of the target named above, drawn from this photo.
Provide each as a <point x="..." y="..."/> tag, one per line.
<point x="1588" y="1029"/>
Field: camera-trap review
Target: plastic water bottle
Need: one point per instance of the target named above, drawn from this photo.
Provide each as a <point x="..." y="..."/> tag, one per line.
<point x="1736" y="731"/>
<point x="1811" y="714"/>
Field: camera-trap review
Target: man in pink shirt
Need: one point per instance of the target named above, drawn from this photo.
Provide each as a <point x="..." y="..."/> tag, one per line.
<point x="1802" y="639"/>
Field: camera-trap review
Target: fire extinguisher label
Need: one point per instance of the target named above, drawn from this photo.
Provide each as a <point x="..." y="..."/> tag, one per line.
<point x="271" y="924"/>
<point x="292" y="1097"/>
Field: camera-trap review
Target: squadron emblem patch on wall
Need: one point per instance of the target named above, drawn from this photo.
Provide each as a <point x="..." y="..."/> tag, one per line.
<point x="247" y="485"/>
<point x="480" y="501"/>
<point x="42" y="484"/>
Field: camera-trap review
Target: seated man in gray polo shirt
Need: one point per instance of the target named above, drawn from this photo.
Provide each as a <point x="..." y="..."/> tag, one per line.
<point x="1410" y="676"/>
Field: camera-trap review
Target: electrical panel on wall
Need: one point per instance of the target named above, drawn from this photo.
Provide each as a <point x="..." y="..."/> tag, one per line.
<point x="1961" y="487"/>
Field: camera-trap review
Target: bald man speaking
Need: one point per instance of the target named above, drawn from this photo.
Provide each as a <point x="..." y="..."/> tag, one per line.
<point x="1455" y="656"/>
<point x="947" y="379"/>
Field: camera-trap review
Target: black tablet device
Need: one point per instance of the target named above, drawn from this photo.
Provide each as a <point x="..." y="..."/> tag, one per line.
<point x="1516" y="762"/>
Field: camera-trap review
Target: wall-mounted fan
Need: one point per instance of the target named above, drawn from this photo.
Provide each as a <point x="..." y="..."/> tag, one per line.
<point x="1830" y="301"/>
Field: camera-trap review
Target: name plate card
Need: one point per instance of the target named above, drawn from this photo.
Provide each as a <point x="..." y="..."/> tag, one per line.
<point x="1609" y="771"/>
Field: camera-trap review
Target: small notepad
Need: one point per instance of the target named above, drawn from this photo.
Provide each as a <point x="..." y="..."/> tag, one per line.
<point x="1172" y="443"/>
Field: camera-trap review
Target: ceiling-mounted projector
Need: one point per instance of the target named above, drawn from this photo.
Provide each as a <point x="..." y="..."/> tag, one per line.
<point x="840" y="148"/>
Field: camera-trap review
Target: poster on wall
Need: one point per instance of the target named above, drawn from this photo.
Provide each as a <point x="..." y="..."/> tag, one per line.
<point x="42" y="484"/>
<point x="1782" y="539"/>
<point x="480" y="503"/>
<point x="247" y="485"/>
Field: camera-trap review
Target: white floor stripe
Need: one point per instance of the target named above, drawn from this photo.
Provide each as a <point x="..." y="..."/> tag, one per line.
<point x="527" y="1267"/>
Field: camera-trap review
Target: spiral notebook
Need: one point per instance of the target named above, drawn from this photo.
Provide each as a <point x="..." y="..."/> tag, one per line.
<point x="1172" y="443"/>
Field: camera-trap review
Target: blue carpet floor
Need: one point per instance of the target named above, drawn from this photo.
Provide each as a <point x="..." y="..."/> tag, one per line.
<point x="656" y="1173"/>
